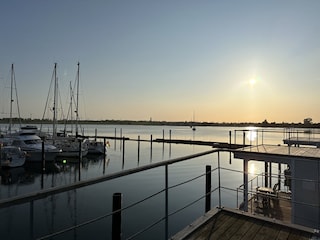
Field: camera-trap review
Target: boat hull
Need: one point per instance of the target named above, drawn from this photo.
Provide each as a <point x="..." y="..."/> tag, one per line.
<point x="36" y="156"/>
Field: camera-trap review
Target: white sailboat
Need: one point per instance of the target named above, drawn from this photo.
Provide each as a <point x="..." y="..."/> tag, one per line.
<point x="71" y="145"/>
<point x="24" y="139"/>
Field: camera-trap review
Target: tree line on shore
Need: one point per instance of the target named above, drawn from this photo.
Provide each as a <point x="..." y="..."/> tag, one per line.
<point x="264" y="123"/>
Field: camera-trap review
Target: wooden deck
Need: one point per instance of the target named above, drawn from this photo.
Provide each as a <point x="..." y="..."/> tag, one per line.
<point x="260" y="152"/>
<point x="297" y="141"/>
<point x="234" y="225"/>
<point x="203" y="143"/>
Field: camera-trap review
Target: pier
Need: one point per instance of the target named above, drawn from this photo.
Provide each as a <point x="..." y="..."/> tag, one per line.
<point x="306" y="141"/>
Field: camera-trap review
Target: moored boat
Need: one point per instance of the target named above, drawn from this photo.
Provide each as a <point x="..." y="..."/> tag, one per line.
<point x="96" y="147"/>
<point x="12" y="156"/>
<point x="31" y="143"/>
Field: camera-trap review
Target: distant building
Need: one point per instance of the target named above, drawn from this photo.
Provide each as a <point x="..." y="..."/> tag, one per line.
<point x="307" y="121"/>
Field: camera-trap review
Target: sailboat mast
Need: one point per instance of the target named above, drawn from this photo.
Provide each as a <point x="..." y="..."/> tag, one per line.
<point x="11" y="98"/>
<point x="71" y="111"/>
<point x="77" y="102"/>
<point x="54" y="130"/>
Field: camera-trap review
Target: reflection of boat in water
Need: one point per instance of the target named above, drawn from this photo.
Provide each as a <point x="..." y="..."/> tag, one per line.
<point x="96" y="147"/>
<point x="16" y="175"/>
<point x="12" y="156"/>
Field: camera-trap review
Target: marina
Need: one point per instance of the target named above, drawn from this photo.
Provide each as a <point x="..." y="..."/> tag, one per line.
<point x="149" y="173"/>
<point x="183" y="121"/>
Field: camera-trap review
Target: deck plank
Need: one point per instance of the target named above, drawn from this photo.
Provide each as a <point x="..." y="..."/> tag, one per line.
<point x="223" y="228"/>
<point x="253" y="230"/>
<point x="283" y="234"/>
<point x="233" y="225"/>
<point x="246" y="224"/>
<point x="232" y="230"/>
<point x="267" y="231"/>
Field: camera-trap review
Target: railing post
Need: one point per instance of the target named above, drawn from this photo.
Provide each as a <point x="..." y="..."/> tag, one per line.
<point x="170" y="143"/>
<point x="229" y="147"/>
<point x="116" y="216"/>
<point x="208" y="188"/>
<point x="219" y="180"/>
<point x="104" y="155"/>
<point x="266" y="174"/>
<point x="244" y="139"/>
<point x="120" y="137"/>
<point x="163" y="141"/>
<point x="115" y="138"/>
<point x="138" y="148"/>
<point x="150" y="147"/>
<point x="123" y="139"/>
<point x="245" y="185"/>
<point x="279" y="176"/>
<point x="166" y="203"/>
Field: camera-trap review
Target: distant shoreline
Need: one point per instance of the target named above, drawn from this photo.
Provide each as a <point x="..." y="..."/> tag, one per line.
<point x="167" y="123"/>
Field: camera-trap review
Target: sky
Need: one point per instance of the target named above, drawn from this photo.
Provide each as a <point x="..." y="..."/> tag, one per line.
<point x="169" y="60"/>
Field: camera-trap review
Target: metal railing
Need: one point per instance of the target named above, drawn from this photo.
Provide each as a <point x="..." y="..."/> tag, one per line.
<point x="31" y="198"/>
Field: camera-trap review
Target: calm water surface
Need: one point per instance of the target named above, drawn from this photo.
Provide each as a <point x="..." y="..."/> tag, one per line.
<point x="42" y="217"/>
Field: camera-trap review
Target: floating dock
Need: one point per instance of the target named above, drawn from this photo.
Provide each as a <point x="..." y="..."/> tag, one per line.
<point x="297" y="141"/>
<point x="203" y="143"/>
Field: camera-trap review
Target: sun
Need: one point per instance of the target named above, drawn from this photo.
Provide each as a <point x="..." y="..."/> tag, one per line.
<point x="252" y="82"/>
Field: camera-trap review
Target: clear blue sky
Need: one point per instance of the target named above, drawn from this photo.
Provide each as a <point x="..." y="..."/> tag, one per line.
<point x="229" y="61"/>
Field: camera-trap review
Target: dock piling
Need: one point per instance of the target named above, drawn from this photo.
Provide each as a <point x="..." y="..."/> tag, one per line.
<point x="151" y="147"/>
<point x="123" y="139"/>
<point x="116" y="216"/>
<point x="230" y="146"/>
<point x="80" y="157"/>
<point x="138" y="149"/>
<point x="43" y="163"/>
<point x="208" y="188"/>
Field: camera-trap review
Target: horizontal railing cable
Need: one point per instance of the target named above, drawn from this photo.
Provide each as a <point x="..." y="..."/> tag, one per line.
<point x="169" y="215"/>
<point x="125" y="208"/>
<point x="190" y="180"/>
<point x="55" y="190"/>
<point x="100" y="217"/>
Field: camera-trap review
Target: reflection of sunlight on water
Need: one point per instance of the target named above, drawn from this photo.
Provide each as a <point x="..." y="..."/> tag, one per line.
<point x="252" y="169"/>
<point x="252" y="134"/>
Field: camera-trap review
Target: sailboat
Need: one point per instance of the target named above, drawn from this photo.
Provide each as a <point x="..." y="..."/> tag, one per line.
<point x="192" y="125"/>
<point x="25" y="140"/>
<point x="71" y="145"/>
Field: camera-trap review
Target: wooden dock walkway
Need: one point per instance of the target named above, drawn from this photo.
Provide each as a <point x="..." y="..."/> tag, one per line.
<point x="277" y="152"/>
<point x="297" y="141"/>
<point x="234" y="225"/>
<point x="203" y="143"/>
<point x="177" y="141"/>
